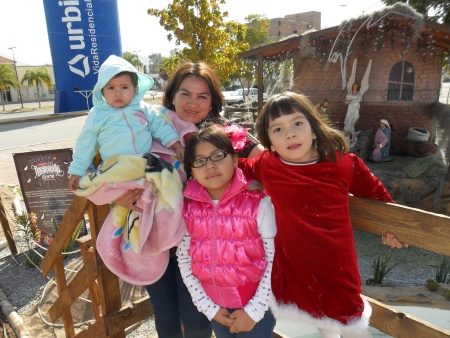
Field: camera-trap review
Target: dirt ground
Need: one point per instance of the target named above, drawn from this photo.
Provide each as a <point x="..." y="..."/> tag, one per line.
<point x="417" y="295"/>
<point x="6" y="326"/>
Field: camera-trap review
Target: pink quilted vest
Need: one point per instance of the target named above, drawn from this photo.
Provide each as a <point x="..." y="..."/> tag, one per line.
<point x="227" y="251"/>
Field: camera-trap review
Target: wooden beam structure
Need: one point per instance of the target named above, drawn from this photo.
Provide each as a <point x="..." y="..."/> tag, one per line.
<point x="423" y="229"/>
<point x="7" y="230"/>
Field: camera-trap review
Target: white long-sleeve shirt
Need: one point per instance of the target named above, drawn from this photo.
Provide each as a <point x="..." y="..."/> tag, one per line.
<point x="259" y="303"/>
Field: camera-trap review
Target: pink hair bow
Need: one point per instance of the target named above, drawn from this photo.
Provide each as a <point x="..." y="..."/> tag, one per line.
<point x="237" y="135"/>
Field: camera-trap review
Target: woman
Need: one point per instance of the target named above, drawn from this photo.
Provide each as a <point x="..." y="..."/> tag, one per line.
<point x="382" y="142"/>
<point x="194" y="93"/>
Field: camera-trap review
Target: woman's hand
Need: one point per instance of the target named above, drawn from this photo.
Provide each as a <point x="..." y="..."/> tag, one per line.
<point x="392" y="241"/>
<point x="128" y="199"/>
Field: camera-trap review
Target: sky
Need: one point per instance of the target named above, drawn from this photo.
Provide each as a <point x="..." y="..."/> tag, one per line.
<point x="23" y="26"/>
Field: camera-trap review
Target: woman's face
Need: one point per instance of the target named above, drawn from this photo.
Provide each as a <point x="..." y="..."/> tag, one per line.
<point x="193" y="100"/>
<point x="355" y="88"/>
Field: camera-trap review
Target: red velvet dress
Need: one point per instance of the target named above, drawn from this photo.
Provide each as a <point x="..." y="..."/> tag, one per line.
<point x="315" y="276"/>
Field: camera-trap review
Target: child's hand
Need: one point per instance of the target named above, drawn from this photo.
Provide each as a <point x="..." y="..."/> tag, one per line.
<point x="242" y="321"/>
<point x="74" y="182"/>
<point x="223" y="317"/>
<point x="179" y="149"/>
<point x="392" y="241"/>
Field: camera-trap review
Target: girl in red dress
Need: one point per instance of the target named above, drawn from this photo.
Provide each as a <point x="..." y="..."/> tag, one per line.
<point x="309" y="175"/>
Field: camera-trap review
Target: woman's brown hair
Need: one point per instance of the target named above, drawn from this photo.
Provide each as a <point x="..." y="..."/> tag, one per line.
<point x="200" y="70"/>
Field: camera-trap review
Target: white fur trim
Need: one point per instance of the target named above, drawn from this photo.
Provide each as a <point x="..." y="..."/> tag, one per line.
<point x="293" y="313"/>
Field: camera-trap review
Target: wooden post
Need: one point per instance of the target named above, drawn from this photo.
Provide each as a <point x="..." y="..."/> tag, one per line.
<point x="61" y="283"/>
<point x="109" y="289"/>
<point x="7" y="230"/>
<point x="260" y="81"/>
<point x="87" y="251"/>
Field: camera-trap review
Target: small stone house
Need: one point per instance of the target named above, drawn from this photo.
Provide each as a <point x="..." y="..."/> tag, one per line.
<point x="405" y="76"/>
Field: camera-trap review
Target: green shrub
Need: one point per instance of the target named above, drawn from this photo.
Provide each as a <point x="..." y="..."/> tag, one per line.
<point x="71" y="242"/>
<point x="447" y="294"/>
<point x="24" y="228"/>
<point x="443" y="272"/>
<point x="432" y="285"/>
<point x="31" y="260"/>
<point x="381" y="268"/>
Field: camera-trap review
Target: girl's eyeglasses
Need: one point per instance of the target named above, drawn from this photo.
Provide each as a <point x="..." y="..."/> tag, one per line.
<point x="200" y="162"/>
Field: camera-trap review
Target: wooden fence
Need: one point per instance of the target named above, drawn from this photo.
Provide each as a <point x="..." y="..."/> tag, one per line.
<point x="422" y="229"/>
<point x="419" y="228"/>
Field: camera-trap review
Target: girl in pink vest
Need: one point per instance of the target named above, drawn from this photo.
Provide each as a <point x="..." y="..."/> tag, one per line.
<point x="226" y="256"/>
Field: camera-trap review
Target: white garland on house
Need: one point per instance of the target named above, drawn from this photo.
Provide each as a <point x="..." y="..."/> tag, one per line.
<point x="346" y="25"/>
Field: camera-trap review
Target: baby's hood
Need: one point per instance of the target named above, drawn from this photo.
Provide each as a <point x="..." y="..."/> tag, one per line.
<point x="111" y="67"/>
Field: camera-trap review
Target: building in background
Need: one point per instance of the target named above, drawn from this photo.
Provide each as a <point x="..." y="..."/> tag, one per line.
<point x="406" y="67"/>
<point x="291" y="24"/>
<point x="29" y="94"/>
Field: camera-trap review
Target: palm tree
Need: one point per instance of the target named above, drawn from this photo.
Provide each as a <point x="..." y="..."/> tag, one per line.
<point x="133" y="58"/>
<point x="8" y="78"/>
<point x="37" y="77"/>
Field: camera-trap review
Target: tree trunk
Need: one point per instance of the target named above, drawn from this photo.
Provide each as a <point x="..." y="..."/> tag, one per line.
<point x="3" y="103"/>
<point x="39" y="98"/>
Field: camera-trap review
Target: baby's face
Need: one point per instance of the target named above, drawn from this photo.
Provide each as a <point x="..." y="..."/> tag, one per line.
<point x="119" y="91"/>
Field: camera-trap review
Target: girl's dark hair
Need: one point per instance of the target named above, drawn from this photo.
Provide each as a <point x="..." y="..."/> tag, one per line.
<point x="200" y="70"/>
<point x="133" y="77"/>
<point x="212" y="134"/>
<point x="327" y="139"/>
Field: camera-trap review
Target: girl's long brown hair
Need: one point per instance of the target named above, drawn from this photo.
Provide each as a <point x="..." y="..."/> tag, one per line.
<point x="327" y="139"/>
<point x="213" y="134"/>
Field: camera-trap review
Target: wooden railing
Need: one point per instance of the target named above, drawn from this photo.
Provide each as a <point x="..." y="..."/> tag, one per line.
<point x="422" y="229"/>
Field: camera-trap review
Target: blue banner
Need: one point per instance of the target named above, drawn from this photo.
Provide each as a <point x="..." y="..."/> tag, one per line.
<point x="82" y="34"/>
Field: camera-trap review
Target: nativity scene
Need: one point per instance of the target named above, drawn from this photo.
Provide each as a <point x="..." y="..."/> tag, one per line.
<point x="402" y="54"/>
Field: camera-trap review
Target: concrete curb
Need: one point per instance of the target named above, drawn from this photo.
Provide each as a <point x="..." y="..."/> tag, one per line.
<point x="13" y="318"/>
<point x="43" y="118"/>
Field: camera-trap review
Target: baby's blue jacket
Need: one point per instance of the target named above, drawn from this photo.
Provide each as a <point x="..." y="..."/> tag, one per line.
<point x="119" y="131"/>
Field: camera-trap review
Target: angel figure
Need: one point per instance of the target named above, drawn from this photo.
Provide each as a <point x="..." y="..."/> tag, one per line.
<point x="354" y="97"/>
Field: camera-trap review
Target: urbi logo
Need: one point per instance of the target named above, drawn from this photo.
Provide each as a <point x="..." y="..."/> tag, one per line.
<point x="79" y="64"/>
<point x="83" y="63"/>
